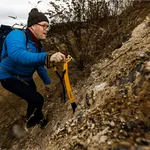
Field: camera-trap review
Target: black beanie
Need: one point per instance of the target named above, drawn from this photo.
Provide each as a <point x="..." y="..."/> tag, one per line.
<point x="35" y="17"/>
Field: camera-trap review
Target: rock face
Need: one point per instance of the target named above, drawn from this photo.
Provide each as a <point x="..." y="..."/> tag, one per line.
<point x="115" y="114"/>
<point x="113" y="105"/>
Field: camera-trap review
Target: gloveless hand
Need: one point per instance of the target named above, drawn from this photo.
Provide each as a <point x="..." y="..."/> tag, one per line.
<point x="57" y="57"/>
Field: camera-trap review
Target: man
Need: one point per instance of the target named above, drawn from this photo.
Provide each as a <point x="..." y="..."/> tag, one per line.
<point x="22" y="55"/>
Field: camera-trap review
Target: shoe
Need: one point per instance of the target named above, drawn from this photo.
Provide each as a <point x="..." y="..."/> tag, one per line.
<point x="43" y="123"/>
<point x="31" y="122"/>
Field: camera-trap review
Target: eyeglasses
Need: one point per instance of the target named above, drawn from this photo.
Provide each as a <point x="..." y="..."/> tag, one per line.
<point x="44" y="26"/>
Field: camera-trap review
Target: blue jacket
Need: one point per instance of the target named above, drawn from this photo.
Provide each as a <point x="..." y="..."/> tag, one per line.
<point x="22" y="58"/>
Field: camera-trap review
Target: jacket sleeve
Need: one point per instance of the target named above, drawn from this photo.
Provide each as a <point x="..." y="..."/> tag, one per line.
<point x="42" y="72"/>
<point x="17" y="50"/>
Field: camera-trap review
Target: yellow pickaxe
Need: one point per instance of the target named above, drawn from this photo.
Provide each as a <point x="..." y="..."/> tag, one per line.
<point x="67" y="83"/>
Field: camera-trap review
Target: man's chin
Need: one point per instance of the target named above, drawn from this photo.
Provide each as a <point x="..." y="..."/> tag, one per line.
<point x="43" y="38"/>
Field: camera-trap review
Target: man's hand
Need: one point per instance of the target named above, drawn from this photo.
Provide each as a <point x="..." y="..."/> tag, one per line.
<point x="57" y="57"/>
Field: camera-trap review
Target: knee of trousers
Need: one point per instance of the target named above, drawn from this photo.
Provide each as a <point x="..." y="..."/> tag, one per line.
<point x="38" y="101"/>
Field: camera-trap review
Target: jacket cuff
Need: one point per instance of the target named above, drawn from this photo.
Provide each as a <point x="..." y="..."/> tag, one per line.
<point x="48" y="63"/>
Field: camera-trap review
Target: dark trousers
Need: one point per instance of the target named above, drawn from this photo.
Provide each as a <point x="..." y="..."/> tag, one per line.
<point x="27" y="92"/>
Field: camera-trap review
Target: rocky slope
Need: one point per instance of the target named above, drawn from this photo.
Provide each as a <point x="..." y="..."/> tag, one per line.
<point x="113" y="105"/>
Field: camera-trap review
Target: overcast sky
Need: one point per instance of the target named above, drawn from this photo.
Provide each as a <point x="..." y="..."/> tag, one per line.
<point x="19" y="9"/>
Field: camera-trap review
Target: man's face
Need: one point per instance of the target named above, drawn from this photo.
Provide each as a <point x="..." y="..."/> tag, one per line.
<point x="41" y="29"/>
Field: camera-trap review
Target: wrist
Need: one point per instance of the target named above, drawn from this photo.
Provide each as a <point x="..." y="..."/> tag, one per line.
<point x="48" y="63"/>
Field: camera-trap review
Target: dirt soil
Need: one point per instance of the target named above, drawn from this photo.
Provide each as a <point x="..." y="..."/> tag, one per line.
<point x="112" y="98"/>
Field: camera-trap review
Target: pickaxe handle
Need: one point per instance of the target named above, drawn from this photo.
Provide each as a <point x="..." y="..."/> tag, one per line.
<point x="67" y="83"/>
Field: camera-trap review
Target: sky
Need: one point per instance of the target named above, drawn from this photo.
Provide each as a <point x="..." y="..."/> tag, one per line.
<point x="19" y="9"/>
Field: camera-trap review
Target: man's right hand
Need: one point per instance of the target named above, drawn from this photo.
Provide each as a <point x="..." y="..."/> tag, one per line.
<point x="57" y="57"/>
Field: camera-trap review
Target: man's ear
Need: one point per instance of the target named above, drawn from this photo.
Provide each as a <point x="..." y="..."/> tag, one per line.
<point x="33" y="27"/>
